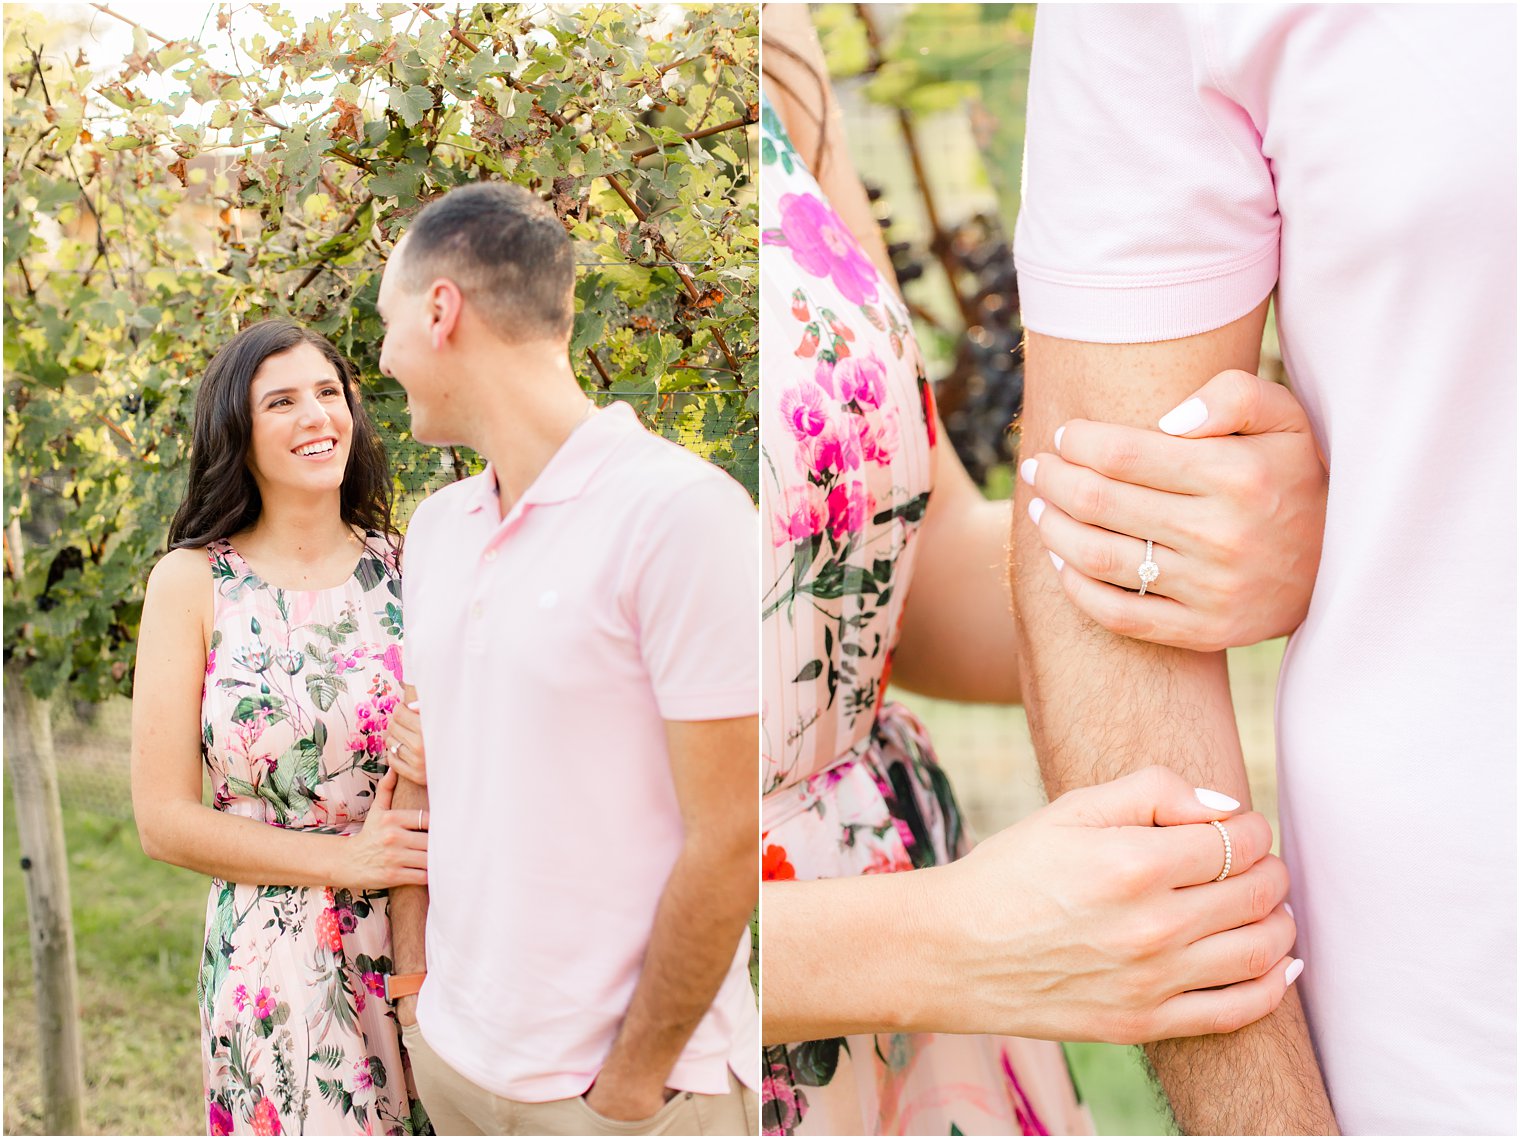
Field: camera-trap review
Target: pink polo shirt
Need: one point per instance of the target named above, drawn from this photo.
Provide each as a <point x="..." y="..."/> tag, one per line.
<point x="548" y="649"/>
<point x="1181" y="163"/>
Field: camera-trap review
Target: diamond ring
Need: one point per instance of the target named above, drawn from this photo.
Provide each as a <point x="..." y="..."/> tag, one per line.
<point x="1149" y="571"/>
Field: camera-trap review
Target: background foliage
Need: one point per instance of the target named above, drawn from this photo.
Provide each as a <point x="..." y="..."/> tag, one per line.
<point x="154" y="205"/>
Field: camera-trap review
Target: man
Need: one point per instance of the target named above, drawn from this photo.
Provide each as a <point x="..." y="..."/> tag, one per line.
<point x="581" y="638"/>
<point x="1183" y="164"/>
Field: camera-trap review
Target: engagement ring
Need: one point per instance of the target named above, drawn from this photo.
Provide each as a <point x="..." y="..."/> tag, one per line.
<point x="1149" y="571"/>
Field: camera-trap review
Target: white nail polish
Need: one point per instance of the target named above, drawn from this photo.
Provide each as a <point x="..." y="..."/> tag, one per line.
<point x="1288" y="908"/>
<point x="1055" y="561"/>
<point x="1295" y="967"/>
<point x="1026" y="471"/>
<point x="1184" y="417"/>
<point x="1214" y="801"/>
<point x="1059" y="432"/>
<point x="414" y="705"/>
<point x="1036" y="508"/>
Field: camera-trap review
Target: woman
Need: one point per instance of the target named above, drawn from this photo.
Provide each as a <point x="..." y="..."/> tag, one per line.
<point x="1116" y="913"/>
<point x="270" y="653"/>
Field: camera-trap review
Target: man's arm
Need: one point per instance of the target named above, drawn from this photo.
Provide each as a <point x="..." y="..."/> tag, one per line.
<point x="702" y="913"/>
<point x="1101" y="705"/>
<point x="409" y="906"/>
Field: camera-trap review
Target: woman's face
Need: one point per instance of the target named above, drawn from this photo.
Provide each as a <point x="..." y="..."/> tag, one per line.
<point x="302" y="427"/>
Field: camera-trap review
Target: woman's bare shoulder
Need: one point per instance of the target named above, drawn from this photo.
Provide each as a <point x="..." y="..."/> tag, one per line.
<point x="181" y="577"/>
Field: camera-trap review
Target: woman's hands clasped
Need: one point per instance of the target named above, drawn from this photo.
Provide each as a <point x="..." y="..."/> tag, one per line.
<point x="1231" y="492"/>
<point x="391" y="849"/>
<point x="1098" y="918"/>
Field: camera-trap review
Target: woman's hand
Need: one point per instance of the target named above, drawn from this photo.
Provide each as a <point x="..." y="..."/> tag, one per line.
<point x="391" y="849"/>
<point x="1099" y="918"/>
<point x="403" y="744"/>
<point x="1232" y="495"/>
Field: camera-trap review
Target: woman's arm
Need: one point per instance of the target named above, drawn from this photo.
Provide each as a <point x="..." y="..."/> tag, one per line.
<point x="957" y="637"/>
<point x="1096" y="918"/>
<point x="172" y="822"/>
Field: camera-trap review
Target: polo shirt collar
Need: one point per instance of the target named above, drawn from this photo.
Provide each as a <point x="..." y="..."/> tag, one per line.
<point x="570" y="468"/>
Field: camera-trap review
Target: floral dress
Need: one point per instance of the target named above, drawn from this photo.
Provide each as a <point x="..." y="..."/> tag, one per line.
<point x="296" y="1035"/>
<point x="851" y="782"/>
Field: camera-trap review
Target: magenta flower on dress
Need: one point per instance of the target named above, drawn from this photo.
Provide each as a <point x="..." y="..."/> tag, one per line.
<point x="218" y="1119"/>
<point x="802" y="408"/>
<point x="822" y="246"/>
<point x="863" y="379"/>
<point x="263" y="1004"/>
<point x="837" y="448"/>
<point x="799" y="516"/>
<point x="391" y="659"/>
<point x="849" y="506"/>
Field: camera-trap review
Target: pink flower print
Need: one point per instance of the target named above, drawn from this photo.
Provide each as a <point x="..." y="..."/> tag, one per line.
<point x="802" y="409"/>
<point x="263" y="1004"/>
<point x="822" y="246"/>
<point x="849" y="507"/>
<point x="823" y="376"/>
<point x="799" y="517"/>
<point x="391" y="659"/>
<point x="342" y="663"/>
<point x="363" y="710"/>
<point x="904" y="832"/>
<point x="375" y="983"/>
<point x="362" y="1087"/>
<point x="218" y="1119"/>
<point x="240" y="997"/>
<point x="837" y="448"/>
<point x="783" y="1104"/>
<point x="375" y="744"/>
<point x="887" y="861"/>
<point x="210" y="668"/>
<point x="879" y="445"/>
<point x="862" y="379"/>
<point x="266" y="1120"/>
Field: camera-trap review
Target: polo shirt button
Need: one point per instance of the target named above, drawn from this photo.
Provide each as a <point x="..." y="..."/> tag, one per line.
<point x="475" y="610"/>
<point x="490" y="555"/>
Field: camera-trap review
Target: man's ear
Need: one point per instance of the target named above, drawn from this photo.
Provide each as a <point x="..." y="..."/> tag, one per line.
<point x="445" y="306"/>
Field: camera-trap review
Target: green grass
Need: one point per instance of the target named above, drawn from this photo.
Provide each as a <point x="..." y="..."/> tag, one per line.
<point x="137" y="929"/>
<point x="1113" y="1082"/>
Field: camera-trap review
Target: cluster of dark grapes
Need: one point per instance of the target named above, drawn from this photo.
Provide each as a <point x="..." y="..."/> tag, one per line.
<point x="135" y="402"/>
<point x="982" y="394"/>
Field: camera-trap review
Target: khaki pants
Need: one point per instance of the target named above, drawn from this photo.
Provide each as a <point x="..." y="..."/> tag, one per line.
<point x="458" y="1106"/>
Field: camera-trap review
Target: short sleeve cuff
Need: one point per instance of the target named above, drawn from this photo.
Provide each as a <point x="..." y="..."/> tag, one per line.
<point x="728" y="704"/>
<point x="1142" y="310"/>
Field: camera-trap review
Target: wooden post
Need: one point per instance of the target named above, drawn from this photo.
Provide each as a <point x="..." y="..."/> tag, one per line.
<point x="33" y="772"/>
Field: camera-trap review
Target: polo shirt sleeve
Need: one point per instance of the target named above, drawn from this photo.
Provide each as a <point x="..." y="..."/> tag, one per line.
<point x="695" y="602"/>
<point x="1149" y="211"/>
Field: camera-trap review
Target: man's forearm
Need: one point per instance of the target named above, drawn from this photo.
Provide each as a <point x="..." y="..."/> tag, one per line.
<point x="409" y="905"/>
<point x="702" y="914"/>
<point x="1102" y="705"/>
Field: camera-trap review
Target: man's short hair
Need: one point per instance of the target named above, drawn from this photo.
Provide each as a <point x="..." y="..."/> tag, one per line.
<point x="506" y="250"/>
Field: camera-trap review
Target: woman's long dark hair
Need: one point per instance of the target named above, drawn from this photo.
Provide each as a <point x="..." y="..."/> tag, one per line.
<point x="817" y="113"/>
<point x="222" y="498"/>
